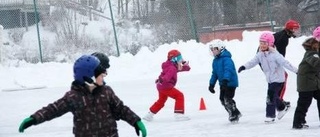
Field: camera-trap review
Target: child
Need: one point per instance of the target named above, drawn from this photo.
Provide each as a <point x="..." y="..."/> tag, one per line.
<point x="282" y="37"/>
<point x="281" y="41"/>
<point x="223" y="70"/>
<point x="95" y="106"/>
<point x="308" y="80"/>
<point x="272" y="64"/>
<point x="166" y="86"/>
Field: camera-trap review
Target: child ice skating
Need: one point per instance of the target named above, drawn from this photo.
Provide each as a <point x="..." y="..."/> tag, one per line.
<point x="272" y="64"/>
<point x="94" y="106"/>
<point x="291" y="30"/>
<point x="223" y="70"/>
<point x="308" y="80"/>
<point x="281" y="41"/>
<point x="166" y="83"/>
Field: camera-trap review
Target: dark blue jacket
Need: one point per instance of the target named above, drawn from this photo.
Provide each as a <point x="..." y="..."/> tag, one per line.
<point x="223" y="68"/>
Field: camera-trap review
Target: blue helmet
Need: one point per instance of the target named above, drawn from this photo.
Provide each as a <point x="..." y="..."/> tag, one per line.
<point x="84" y="68"/>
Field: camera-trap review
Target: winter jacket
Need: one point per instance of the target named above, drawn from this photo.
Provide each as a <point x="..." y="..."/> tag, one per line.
<point x="94" y="114"/>
<point x="272" y="63"/>
<point x="168" y="77"/>
<point x="282" y="40"/>
<point x="308" y="78"/>
<point x="223" y="69"/>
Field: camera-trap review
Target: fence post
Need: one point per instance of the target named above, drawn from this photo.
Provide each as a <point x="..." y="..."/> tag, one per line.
<point x="191" y="19"/>
<point x="37" y="24"/>
<point x="1" y="42"/>
<point x="114" y="29"/>
<point x="270" y="15"/>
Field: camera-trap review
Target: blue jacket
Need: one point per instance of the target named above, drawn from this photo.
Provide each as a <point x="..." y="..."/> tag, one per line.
<point x="223" y="68"/>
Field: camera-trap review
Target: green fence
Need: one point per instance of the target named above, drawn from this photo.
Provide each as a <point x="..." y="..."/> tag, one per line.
<point x="68" y="28"/>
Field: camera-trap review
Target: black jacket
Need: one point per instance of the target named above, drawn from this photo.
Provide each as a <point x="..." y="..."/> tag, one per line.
<point x="282" y="40"/>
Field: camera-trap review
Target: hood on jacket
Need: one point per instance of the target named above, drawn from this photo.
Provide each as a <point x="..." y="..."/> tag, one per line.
<point x="308" y="44"/>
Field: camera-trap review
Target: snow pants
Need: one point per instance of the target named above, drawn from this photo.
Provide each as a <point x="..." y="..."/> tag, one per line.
<point x="226" y="99"/>
<point x="284" y="86"/>
<point x="274" y="101"/>
<point x="303" y="104"/>
<point x="163" y="96"/>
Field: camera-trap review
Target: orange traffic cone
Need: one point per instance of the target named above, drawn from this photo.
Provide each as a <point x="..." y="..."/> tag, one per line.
<point x="202" y="105"/>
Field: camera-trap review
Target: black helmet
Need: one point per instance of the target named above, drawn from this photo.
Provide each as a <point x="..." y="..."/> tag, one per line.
<point x="104" y="60"/>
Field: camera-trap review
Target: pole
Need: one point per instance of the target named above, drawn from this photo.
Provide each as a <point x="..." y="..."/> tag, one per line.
<point x="37" y="24"/>
<point x="191" y="19"/>
<point x="114" y="29"/>
<point x="1" y="43"/>
<point x="270" y="16"/>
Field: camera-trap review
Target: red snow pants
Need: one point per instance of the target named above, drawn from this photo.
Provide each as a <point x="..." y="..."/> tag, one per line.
<point x="163" y="96"/>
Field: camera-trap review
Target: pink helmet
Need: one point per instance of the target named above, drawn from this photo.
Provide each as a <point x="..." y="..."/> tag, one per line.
<point x="267" y="37"/>
<point x="316" y="34"/>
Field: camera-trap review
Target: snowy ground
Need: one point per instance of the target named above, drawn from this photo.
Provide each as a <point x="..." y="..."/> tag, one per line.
<point x="132" y="78"/>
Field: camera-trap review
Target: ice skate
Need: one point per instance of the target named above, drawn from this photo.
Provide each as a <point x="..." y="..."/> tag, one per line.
<point x="300" y="126"/>
<point x="269" y="120"/>
<point x="284" y="111"/>
<point x="181" y="117"/>
<point x="287" y="103"/>
<point x="235" y="118"/>
<point x="148" y="117"/>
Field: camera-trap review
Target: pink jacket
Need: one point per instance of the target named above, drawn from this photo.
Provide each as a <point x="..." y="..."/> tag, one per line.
<point x="168" y="77"/>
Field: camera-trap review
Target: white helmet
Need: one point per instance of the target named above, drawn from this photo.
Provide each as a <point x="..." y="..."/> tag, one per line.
<point x="217" y="44"/>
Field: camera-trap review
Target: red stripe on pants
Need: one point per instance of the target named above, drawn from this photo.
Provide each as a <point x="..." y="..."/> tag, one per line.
<point x="163" y="96"/>
<point x="283" y="89"/>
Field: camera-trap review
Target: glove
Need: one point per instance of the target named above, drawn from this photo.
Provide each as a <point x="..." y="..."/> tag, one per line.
<point x="140" y="126"/>
<point x="211" y="88"/>
<point x="241" y="68"/>
<point x="159" y="80"/>
<point x="224" y="84"/>
<point x="27" y="123"/>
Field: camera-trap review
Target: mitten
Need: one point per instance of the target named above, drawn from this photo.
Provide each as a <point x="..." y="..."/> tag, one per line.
<point x="27" y="123"/>
<point x="241" y="68"/>
<point x="139" y="126"/>
<point x="211" y="88"/>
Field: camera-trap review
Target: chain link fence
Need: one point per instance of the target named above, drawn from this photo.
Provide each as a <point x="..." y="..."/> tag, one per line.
<point x="223" y="17"/>
<point x="68" y="28"/>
